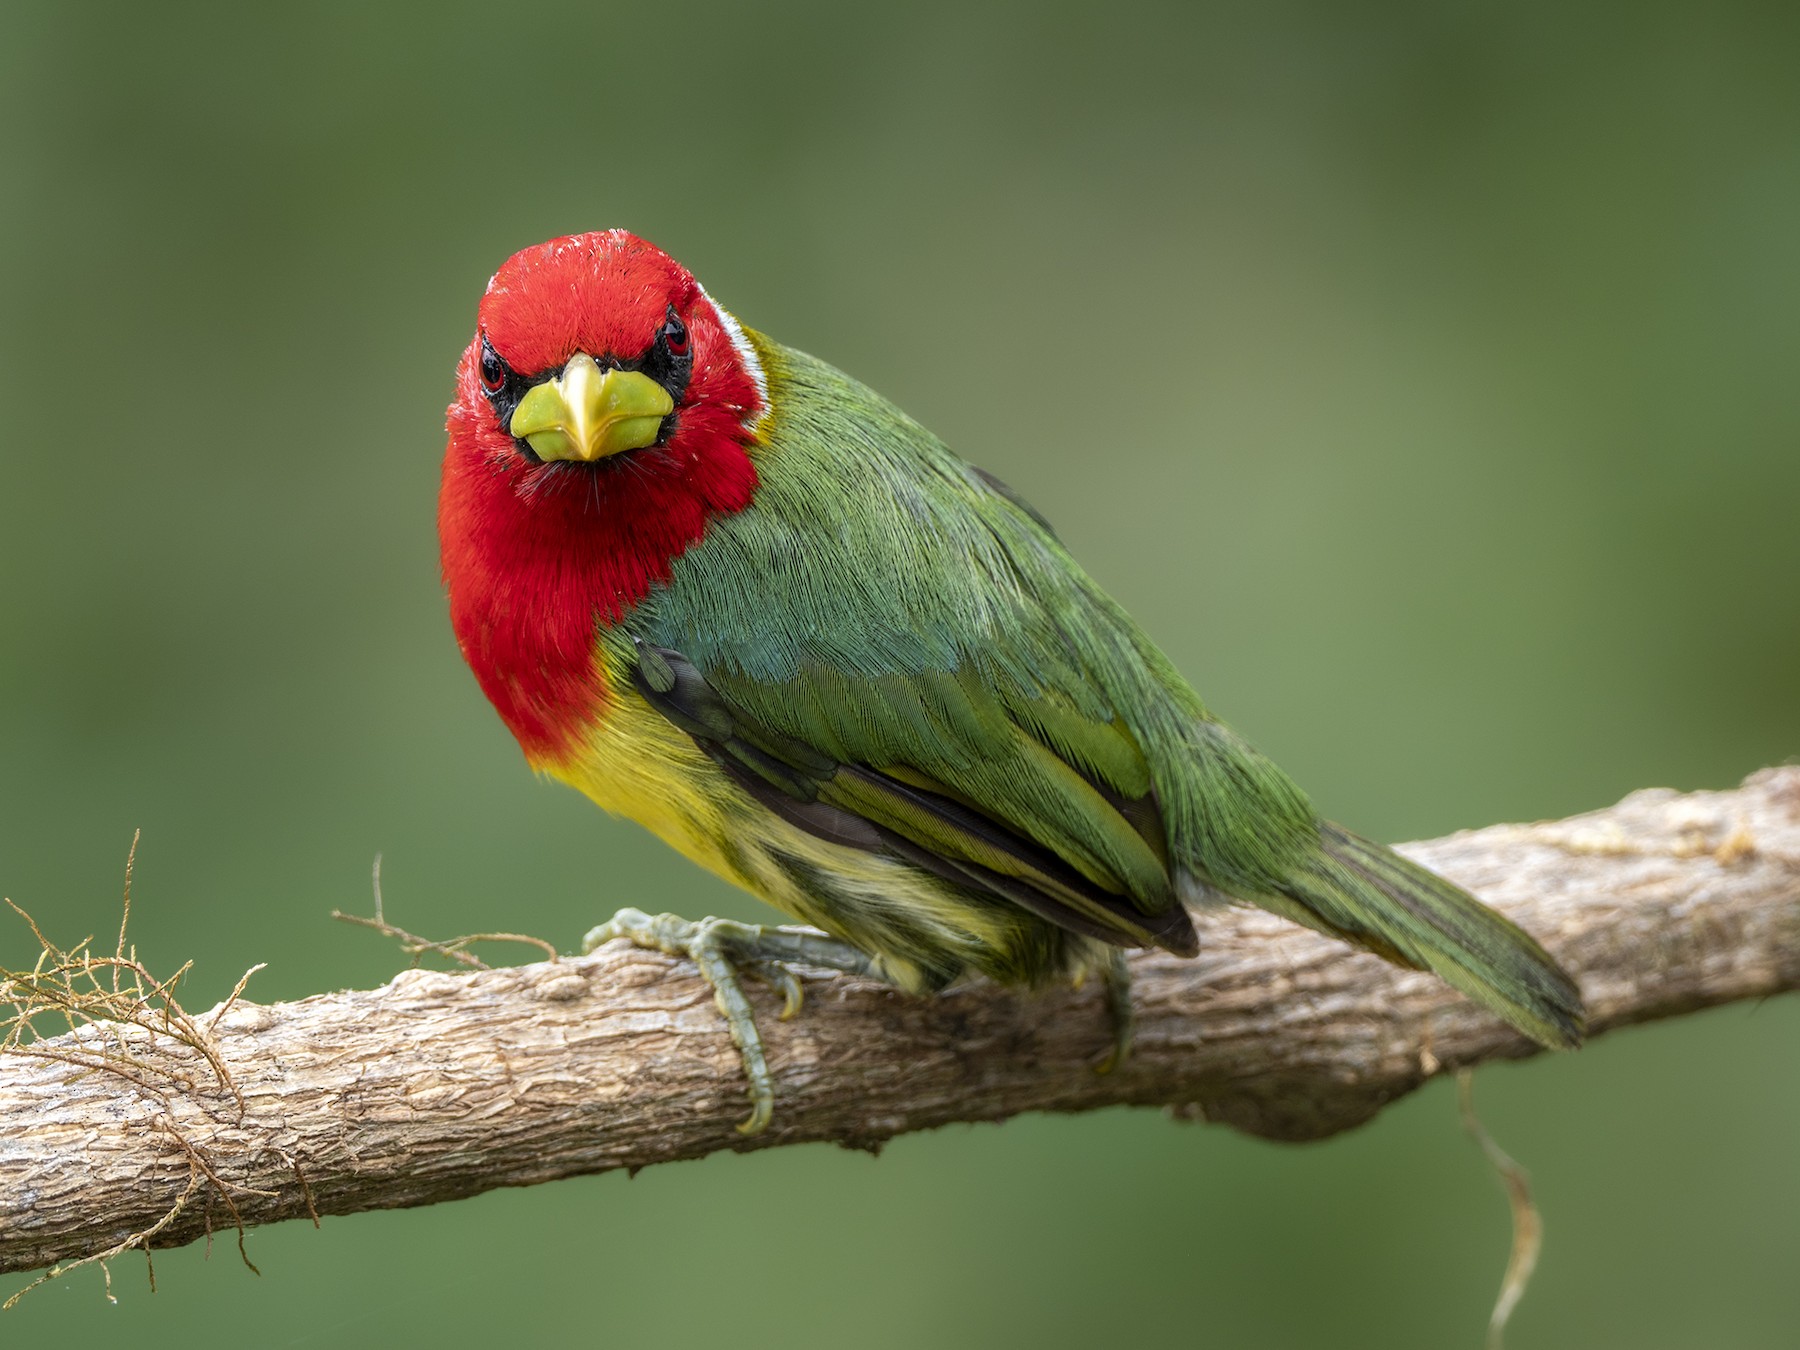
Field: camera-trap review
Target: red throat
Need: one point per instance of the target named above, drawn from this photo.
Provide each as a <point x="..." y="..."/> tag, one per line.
<point x="538" y="557"/>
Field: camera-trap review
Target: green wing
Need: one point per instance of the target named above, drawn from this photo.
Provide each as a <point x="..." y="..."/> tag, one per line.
<point x="933" y="769"/>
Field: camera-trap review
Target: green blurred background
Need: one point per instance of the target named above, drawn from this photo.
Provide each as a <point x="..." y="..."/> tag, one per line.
<point x="1456" y="456"/>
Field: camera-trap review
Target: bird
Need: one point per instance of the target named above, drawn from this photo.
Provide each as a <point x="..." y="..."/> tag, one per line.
<point x="733" y="594"/>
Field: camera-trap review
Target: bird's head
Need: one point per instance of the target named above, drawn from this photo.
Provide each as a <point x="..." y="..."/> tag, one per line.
<point x="599" y="345"/>
<point x="605" y="414"/>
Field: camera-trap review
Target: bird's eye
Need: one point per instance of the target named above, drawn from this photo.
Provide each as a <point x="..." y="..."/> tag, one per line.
<point x="493" y="369"/>
<point x="675" y="334"/>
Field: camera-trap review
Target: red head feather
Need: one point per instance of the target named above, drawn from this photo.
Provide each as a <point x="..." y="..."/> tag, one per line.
<point x="537" y="556"/>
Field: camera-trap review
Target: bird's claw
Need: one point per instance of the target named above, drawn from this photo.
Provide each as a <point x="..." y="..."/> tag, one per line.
<point x="722" y="949"/>
<point x="1116" y="980"/>
<point x="783" y="981"/>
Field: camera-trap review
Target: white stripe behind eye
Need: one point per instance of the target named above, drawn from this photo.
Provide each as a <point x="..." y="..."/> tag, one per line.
<point x="746" y="354"/>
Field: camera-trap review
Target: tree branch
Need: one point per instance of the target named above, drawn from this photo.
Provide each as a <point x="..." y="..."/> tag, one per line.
<point x="439" y="1086"/>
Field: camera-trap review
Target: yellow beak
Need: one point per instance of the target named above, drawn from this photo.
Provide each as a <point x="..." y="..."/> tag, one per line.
<point x="586" y="415"/>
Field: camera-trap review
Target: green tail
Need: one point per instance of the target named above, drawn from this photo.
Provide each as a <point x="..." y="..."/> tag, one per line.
<point x="1373" y="897"/>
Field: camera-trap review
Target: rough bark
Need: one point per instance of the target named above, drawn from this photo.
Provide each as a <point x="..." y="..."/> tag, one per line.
<point x="438" y="1086"/>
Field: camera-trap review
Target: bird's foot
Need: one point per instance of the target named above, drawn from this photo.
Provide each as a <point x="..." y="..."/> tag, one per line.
<point x="723" y="949"/>
<point x="1116" y="976"/>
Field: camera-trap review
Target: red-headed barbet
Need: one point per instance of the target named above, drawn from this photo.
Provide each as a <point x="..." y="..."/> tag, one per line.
<point x="727" y="591"/>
